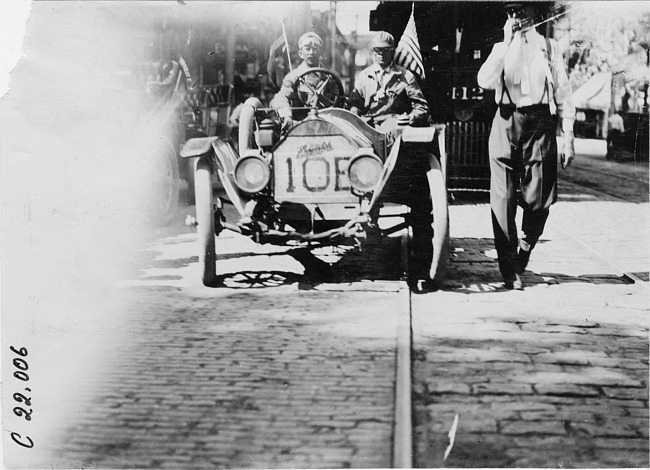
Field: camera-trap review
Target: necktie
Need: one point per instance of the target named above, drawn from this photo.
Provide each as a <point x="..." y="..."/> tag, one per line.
<point x="525" y="64"/>
<point x="380" y="84"/>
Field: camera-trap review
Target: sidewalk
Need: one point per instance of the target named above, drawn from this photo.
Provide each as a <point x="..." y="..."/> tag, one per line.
<point x="554" y="376"/>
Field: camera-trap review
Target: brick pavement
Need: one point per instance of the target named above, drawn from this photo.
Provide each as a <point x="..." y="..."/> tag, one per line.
<point x="201" y="378"/>
<point x="251" y="378"/>
<point x="554" y="376"/>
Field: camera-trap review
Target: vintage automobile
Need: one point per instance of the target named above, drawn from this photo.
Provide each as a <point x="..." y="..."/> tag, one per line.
<point x="327" y="179"/>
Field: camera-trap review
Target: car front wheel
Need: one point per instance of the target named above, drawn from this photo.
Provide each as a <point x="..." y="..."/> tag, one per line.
<point x="429" y="244"/>
<point x="205" y="221"/>
<point x="440" y="241"/>
<point x="166" y="183"/>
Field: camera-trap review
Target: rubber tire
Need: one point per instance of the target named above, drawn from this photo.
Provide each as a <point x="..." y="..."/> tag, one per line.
<point x="246" y="139"/>
<point x="205" y="220"/>
<point x="189" y="192"/>
<point x="440" y="241"/>
<point x="166" y="201"/>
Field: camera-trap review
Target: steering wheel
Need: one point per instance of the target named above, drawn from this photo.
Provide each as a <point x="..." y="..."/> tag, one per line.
<point x="320" y="90"/>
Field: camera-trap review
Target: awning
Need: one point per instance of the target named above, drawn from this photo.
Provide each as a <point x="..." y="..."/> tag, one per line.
<point x="596" y="93"/>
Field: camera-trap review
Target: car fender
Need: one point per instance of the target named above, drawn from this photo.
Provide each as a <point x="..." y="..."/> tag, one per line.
<point x="418" y="134"/>
<point x="389" y="166"/>
<point x="197" y="147"/>
<point x="223" y="158"/>
<point x="247" y="124"/>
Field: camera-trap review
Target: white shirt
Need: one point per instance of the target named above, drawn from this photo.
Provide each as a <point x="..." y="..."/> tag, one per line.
<point x="524" y="65"/>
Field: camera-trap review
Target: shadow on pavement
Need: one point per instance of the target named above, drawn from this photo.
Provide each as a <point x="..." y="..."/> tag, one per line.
<point x="473" y="271"/>
<point x="256" y="280"/>
<point x="375" y="262"/>
<point x="473" y="268"/>
<point x="461" y="198"/>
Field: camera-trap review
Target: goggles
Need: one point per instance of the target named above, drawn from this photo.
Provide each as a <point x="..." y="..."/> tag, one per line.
<point x="514" y="11"/>
<point x="313" y="45"/>
<point x="383" y="50"/>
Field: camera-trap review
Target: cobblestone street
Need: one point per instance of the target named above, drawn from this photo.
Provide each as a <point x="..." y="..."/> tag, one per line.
<point x="282" y="369"/>
<point x="555" y="376"/>
<point x="230" y="380"/>
<point x="301" y="375"/>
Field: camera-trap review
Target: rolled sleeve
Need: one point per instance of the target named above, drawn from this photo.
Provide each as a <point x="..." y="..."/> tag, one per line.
<point x="567" y="112"/>
<point x="565" y="107"/>
<point x="420" y="107"/>
<point x="489" y="75"/>
<point x="282" y="100"/>
<point x="357" y="99"/>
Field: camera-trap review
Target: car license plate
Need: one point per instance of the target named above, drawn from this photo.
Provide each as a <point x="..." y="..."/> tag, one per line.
<point x="314" y="170"/>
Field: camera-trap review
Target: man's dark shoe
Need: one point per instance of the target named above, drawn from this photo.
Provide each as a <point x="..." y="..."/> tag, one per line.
<point x="514" y="284"/>
<point x="524" y="257"/>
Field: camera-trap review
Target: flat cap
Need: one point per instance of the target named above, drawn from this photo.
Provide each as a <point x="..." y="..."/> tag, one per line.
<point x="540" y="7"/>
<point x="383" y="39"/>
<point x="310" y="37"/>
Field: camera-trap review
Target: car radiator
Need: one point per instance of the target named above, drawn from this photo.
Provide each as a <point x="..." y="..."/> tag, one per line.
<point x="468" y="165"/>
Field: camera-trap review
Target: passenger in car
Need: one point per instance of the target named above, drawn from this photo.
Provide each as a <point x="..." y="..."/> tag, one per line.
<point x="310" y="48"/>
<point x="389" y="96"/>
<point x="386" y="92"/>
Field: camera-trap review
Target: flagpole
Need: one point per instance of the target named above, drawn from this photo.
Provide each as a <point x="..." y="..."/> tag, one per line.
<point x="286" y="44"/>
<point x="333" y="31"/>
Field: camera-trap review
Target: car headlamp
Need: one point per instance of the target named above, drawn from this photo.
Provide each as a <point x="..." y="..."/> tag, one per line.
<point x="252" y="173"/>
<point x="364" y="171"/>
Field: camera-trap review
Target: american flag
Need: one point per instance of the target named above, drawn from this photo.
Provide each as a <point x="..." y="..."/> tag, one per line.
<point x="270" y="65"/>
<point x="408" y="53"/>
<point x="187" y="67"/>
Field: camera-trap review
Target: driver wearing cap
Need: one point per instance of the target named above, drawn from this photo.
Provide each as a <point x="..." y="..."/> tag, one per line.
<point x="386" y="90"/>
<point x="310" y="48"/>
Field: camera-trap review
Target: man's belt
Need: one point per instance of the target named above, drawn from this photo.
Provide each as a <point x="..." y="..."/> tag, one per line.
<point x="507" y="110"/>
<point x="534" y="109"/>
